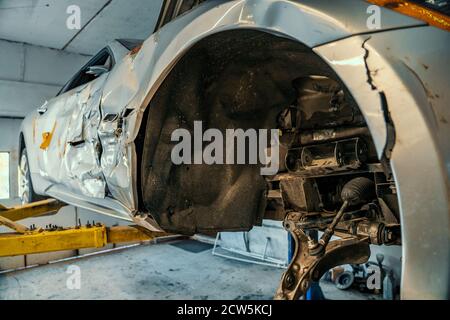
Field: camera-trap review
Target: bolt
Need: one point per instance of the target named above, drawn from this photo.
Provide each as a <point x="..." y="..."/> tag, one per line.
<point x="289" y="280"/>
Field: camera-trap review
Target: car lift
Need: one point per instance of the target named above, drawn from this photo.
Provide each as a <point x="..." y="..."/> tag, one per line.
<point x="53" y="238"/>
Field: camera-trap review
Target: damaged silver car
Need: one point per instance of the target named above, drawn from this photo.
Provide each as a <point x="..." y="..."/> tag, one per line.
<point x="362" y="115"/>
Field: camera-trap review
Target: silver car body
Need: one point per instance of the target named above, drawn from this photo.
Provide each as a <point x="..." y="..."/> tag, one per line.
<point x="406" y="59"/>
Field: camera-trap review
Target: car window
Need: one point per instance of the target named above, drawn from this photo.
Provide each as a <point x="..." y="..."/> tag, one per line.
<point x="102" y="59"/>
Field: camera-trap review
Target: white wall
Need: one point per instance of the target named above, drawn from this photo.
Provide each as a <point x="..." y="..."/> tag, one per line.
<point x="9" y="141"/>
<point x="31" y="74"/>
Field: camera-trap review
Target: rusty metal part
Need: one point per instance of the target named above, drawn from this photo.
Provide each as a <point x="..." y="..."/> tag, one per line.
<point x="328" y="157"/>
<point x="304" y="268"/>
<point x="319" y="248"/>
<point x="355" y="191"/>
<point x="331" y="134"/>
<point x="356" y="224"/>
<point x="299" y="193"/>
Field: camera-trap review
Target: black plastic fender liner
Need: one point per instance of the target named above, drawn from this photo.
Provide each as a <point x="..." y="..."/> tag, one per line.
<point x="233" y="80"/>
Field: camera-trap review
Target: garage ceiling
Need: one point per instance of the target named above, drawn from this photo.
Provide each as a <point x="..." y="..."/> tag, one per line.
<point x="43" y="22"/>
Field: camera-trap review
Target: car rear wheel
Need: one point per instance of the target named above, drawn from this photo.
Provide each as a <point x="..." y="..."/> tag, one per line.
<point x="26" y="192"/>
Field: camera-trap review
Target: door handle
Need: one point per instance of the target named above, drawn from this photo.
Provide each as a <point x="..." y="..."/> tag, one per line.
<point x="42" y="109"/>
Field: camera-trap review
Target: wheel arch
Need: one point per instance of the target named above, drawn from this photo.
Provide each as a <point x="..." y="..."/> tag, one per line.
<point x="373" y="107"/>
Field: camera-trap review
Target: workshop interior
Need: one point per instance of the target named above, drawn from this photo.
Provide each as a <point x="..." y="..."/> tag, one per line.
<point x="224" y="150"/>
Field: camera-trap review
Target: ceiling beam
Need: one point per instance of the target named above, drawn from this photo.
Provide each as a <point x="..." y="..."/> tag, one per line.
<point x="86" y="24"/>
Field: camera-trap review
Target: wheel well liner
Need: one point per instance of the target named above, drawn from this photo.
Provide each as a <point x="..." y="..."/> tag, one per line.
<point x="233" y="79"/>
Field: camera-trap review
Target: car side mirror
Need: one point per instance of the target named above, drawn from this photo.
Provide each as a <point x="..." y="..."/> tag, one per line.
<point x="97" y="70"/>
<point x="43" y="109"/>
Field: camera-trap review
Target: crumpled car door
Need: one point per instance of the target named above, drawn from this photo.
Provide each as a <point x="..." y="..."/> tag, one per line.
<point x="81" y="161"/>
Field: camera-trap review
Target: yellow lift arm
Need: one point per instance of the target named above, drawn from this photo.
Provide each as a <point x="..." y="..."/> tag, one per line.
<point x="27" y="241"/>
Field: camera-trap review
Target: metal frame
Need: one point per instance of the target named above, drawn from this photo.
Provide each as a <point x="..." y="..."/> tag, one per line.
<point x="53" y="238"/>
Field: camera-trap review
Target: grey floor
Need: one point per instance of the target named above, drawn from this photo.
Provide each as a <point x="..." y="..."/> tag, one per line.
<point x="160" y="271"/>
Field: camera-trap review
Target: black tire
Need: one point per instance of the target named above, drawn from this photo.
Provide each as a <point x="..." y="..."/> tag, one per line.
<point x="26" y="191"/>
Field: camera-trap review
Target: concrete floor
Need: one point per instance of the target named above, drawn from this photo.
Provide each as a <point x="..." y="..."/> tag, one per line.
<point x="161" y="271"/>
